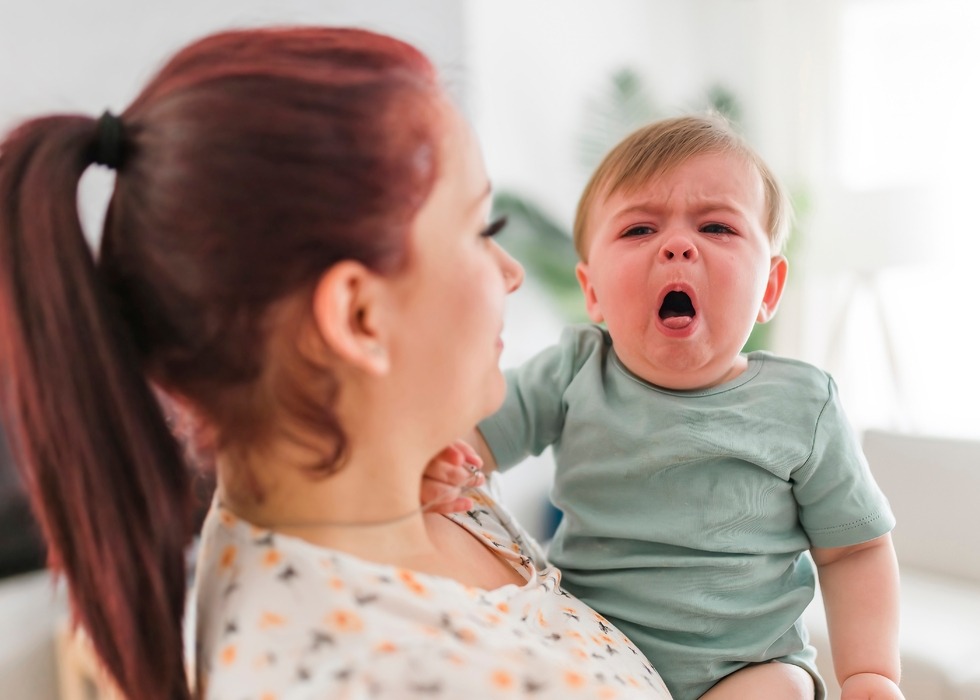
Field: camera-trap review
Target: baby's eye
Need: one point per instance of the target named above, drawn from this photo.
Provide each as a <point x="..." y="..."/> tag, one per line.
<point x="638" y="231"/>
<point x="716" y="228"/>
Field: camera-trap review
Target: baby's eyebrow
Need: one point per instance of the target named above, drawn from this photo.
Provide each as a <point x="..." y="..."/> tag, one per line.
<point x="717" y="206"/>
<point x="715" y="202"/>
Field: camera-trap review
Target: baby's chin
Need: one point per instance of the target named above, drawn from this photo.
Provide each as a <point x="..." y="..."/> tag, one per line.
<point x="684" y="368"/>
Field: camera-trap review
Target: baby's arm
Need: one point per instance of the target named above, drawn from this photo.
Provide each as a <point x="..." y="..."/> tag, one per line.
<point x="476" y="441"/>
<point x="860" y="591"/>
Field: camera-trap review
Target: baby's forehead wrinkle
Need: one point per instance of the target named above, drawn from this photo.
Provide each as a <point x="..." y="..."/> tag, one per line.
<point x="639" y="176"/>
<point x="659" y="194"/>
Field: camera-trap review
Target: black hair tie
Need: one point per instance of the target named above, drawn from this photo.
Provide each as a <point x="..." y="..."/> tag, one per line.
<point x="109" y="149"/>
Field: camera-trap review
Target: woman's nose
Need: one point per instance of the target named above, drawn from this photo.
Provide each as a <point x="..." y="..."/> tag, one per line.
<point x="678" y="248"/>
<point x="513" y="271"/>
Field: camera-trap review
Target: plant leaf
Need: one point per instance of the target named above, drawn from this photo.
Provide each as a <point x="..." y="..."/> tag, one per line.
<point x="622" y="107"/>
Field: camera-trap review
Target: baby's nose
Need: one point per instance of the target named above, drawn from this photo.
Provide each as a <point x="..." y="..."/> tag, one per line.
<point x="678" y="248"/>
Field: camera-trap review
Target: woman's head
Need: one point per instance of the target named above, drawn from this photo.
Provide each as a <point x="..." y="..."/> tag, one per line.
<point x="444" y="312"/>
<point x="252" y="162"/>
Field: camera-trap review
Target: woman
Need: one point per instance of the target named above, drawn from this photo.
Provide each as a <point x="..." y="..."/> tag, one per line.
<point x="296" y="256"/>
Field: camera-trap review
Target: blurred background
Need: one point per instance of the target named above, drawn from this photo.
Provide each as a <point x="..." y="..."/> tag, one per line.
<point x="864" y="108"/>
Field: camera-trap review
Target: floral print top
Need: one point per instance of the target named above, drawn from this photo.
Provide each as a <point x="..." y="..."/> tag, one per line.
<point x="278" y="618"/>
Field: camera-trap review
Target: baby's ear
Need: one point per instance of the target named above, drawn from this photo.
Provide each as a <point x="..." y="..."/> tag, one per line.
<point x="778" y="269"/>
<point x="591" y="301"/>
<point x="347" y="310"/>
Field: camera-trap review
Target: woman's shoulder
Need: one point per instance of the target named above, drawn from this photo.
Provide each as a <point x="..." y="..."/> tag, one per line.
<point x="260" y="619"/>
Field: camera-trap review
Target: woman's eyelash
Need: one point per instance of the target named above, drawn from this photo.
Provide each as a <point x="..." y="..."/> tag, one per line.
<point x="494" y="227"/>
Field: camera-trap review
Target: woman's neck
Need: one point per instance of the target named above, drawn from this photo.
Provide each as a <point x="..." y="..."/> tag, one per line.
<point x="370" y="507"/>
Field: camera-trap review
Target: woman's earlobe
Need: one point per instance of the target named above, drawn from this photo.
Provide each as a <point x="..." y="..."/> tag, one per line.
<point x="346" y="312"/>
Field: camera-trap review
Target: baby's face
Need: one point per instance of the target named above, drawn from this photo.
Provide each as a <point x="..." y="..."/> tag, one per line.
<point x="680" y="270"/>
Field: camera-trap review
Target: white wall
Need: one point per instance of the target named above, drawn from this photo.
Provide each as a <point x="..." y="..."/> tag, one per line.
<point x="66" y="56"/>
<point x="532" y="65"/>
<point x="59" y="54"/>
<point x="903" y="138"/>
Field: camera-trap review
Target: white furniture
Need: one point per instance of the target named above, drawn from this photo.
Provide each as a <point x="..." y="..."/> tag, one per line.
<point x="933" y="485"/>
<point x="31" y="606"/>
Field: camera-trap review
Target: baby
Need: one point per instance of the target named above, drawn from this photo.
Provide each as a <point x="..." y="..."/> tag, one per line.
<point x="700" y="485"/>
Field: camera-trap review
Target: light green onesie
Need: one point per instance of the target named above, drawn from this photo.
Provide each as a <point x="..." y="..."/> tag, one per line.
<point x="687" y="516"/>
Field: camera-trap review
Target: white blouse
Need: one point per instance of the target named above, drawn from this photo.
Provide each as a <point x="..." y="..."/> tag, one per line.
<point x="281" y="619"/>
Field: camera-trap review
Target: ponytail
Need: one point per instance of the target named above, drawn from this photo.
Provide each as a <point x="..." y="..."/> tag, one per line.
<point x="104" y="474"/>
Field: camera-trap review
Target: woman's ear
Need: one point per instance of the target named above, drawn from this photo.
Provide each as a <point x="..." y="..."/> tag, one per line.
<point x="778" y="269"/>
<point x="347" y="311"/>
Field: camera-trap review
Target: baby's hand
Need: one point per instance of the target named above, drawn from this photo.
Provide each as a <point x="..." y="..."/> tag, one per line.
<point x="448" y="474"/>
<point x="870" y="686"/>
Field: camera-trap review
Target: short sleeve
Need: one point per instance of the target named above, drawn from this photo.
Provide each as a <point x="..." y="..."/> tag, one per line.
<point x="533" y="413"/>
<point x="840" y="503"/>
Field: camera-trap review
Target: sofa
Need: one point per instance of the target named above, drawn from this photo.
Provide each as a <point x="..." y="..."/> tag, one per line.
<point x="31" y="610"/>
<point x="933" y="485"/>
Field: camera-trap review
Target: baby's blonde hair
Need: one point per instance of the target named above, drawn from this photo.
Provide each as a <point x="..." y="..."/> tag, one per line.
<point x="655" y="149"/>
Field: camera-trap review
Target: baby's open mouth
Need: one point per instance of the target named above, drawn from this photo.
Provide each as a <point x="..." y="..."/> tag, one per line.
<point x="677" y="311"/>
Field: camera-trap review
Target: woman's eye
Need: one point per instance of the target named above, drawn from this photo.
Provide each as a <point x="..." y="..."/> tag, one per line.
<point x="638" y="231"/>
<point x="494" y="227"/>
<point x="717" y="228"/>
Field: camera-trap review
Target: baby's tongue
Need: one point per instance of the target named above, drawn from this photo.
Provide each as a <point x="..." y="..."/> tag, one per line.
<point x="678" y="322"/>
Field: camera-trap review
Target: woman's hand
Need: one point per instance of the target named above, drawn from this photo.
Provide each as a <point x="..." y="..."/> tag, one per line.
<point x="452" y="471"/>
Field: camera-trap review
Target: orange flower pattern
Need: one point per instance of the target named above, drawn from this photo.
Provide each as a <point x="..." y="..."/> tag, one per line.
<point x="325" y="624"/>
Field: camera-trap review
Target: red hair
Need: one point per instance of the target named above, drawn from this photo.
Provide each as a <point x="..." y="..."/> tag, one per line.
<point x="252" y="162"/>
